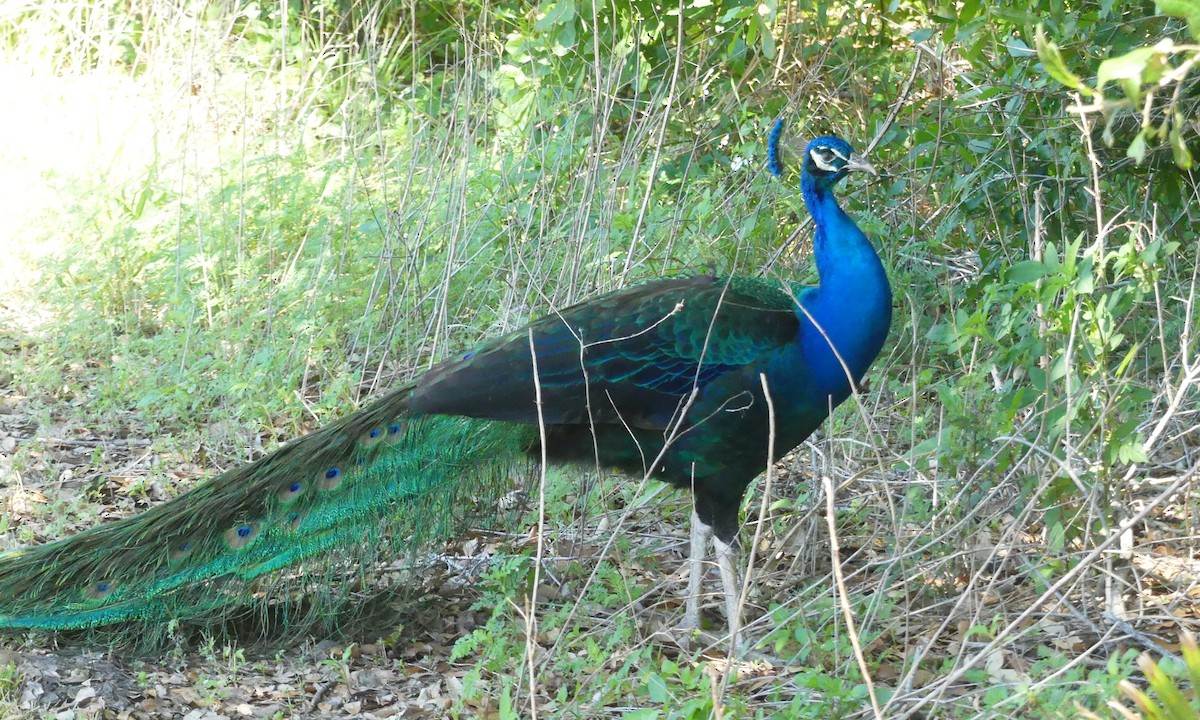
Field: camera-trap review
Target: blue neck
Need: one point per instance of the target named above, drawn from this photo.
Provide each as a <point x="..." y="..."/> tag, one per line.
<point x="853" y="303"/>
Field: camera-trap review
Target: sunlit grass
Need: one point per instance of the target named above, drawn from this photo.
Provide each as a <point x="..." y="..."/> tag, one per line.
<point x="63" y="138"/>
<point x="83" y="134"/>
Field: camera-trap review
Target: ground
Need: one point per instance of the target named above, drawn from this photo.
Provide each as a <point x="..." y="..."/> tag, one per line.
<point x="943" y="613"/>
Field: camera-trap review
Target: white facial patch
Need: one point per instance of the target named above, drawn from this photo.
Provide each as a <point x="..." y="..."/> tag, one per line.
<point x="823" y="158"/>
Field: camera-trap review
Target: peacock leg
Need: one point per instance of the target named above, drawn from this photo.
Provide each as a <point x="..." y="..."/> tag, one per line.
<point x="701" y="532"/>
<point x="727" y="554"/>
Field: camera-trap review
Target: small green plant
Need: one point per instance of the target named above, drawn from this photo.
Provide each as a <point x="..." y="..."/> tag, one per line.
<point x="497" y="640"/>
<point x="234" y="658"/>
<point x="340" y="664"/>
<point x="1171" y="691"/>
<point x="212" y="688"/>
<point x="10" y="682"/>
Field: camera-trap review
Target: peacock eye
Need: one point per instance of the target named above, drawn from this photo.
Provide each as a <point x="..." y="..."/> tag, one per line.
<point x="825" y="159"/>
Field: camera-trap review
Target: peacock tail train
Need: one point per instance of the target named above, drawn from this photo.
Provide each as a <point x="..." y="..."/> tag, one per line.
<point x="359" y="487"/>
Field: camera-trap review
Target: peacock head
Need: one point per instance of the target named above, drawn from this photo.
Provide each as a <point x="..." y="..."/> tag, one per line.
<point x="830" y="159"/>
<point x="826" y="160"/>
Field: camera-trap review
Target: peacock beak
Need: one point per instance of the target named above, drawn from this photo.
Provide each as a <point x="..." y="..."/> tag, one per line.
<point x="858" y="162"/>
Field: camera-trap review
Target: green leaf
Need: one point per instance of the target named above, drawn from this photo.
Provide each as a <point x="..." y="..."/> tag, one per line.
<point x="1179" y="149"/>
<point x="507" y="711"/>
<point x="559" y="13"/>
<point x="1125" y="67"/>
<point x="1131" y="453"/>
<point x="1056" y="67"/>
<point x="564" y="40"/>
<point x="1085" y="282"/>
<point x="736" y="13"/>
<point x="920" y="36"/>
<point x="1125" y="362"/>
<point x="1016" y="17"/>
<point x="768" y="39"/>
<point x="1168" y="692"/>
<point x="1054" y="64"/>
<point x="1137" y="148"/>
<point x="656" y="687"/>
<point x="1017" y="48"/>
<point x="1133" y="90"/>
<point x="1187" y="9"/>
<point x="1050" y="259"/>
<point x="1191" y="656"/>
<point x="1056" y="537"/>
<point x="1025" y="272"/>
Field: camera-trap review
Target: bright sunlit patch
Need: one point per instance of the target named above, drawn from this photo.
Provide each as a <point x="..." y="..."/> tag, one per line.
<point x="62" y="137"/>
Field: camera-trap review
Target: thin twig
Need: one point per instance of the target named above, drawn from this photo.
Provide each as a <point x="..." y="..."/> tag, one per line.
<point x="531" y="608"/>
<point x="835" y="557"/>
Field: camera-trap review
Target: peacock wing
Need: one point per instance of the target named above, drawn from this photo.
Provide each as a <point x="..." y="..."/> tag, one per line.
<point x="632" y="356"/>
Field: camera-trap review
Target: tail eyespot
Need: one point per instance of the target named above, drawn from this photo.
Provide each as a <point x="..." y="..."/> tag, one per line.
<point x="240" y="535"/>
<point x="329" y="479"/>
<point x="99" y="589"/>
<point x="372" y="437"/>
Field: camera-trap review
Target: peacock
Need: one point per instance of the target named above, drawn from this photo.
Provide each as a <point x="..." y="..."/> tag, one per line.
<point x="686" y="380"/>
